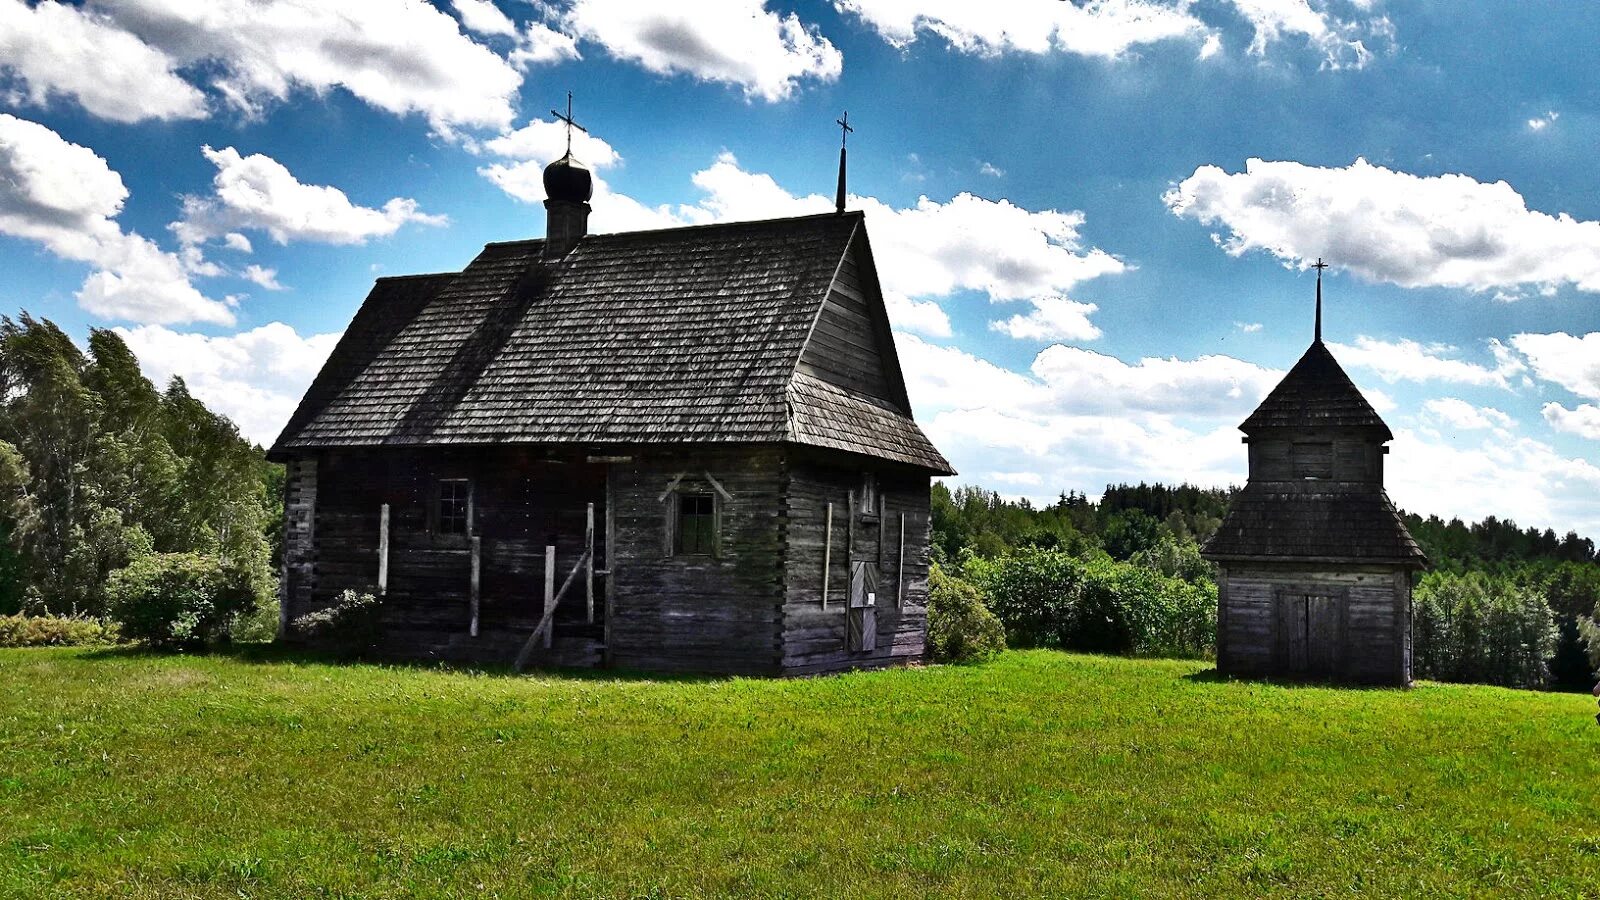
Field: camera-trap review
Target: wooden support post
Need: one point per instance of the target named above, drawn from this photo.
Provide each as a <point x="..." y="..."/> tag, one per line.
<point x="827" y="554"/>
<point x="549" y="588"/>
<point x="883" y="520"/>
<point x="900" y="568"/>
<point x="850" y="529"/>
<point x="588" y="565"/>
<point x="383" y="550"/>
<point x="477" y="556"/>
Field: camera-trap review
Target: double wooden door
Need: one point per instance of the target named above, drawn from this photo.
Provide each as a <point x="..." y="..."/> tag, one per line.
<point x="1308" y="632"/>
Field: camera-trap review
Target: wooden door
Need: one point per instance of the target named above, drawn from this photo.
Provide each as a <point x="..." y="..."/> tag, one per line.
<point x="1308" y="633"/>
<point x="1292" y="632"/>
<point x="862" y="619"/>
<point x="1322" y="635"/>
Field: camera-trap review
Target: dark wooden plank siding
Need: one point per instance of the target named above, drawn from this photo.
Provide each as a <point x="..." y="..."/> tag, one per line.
<point x="850" y="344"/>
<point x="709" y="613"/>
<point x="815" y="639"/>
<point x="1365" y="629"/>
<point x="298" y="578"/>
<point x="521" y="502"/>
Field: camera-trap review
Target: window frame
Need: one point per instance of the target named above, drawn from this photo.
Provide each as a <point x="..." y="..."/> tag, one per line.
<point x="712" y="512"/>
<point x="436" y="517"/>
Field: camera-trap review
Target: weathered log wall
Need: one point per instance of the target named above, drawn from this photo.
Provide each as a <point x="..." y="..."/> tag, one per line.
<point x="1367" y="634"/>
<point x="520" y="502"/>
<point x="699" y="613"/>
<point x="298" y="577"/>
<point x="815" y="639"/>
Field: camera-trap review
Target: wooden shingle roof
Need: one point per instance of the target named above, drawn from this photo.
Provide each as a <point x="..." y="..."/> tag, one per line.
<point x="672" y="336"/>
<point x="1313" y="522"/>
<point x="1315" y="394"/>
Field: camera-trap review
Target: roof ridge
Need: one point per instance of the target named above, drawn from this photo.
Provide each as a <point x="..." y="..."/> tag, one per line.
<point x="850" y="213"/>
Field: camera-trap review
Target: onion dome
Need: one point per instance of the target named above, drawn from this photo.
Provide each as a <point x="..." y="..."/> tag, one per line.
<point x="567" y="179"/>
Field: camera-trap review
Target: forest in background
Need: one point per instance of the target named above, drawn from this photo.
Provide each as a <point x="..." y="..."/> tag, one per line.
<point x="126" y="502"/>
<point x="102" y="473"/>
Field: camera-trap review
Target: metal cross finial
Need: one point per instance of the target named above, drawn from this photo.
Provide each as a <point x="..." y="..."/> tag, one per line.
<point x="844" y="128"/>
<point x="570" y="124"/>
<point x="1319" y="265"/>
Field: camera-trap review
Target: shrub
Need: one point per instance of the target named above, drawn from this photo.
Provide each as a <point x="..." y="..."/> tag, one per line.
<point x="1474" y="628"/>
<point x="352" y="625"/>
<point x="1050" y="599"/>
<point x="960" y="627"/>
<point x="56" y="631"/>
<point x="1589" y="630"/>
<point x="1132" y="609"/>
<point x="179" y="599"/>
<point x="1033" y="592"/>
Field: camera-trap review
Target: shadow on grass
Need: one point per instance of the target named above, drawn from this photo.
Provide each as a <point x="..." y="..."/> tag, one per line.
<point x="1212" y="676"/>
<point x="279" y="654"/>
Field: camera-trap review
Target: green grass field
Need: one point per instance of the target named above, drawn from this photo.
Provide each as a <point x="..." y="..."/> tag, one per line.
<point x="124" y="774"/>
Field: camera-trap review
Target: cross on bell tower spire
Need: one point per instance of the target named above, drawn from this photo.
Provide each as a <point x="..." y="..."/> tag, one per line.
<point x="844" y="132"/>
<point x="570" y="124"/>
<point x="1319" y="265"/>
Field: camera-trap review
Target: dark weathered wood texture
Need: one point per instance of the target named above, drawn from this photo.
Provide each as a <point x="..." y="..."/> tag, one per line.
<point x="749" y="363"/>
<point x="714" y="612"/>
<point x="687" y="335"/>
<point x="1315" y="561"/>
<point x="816" y="639"/>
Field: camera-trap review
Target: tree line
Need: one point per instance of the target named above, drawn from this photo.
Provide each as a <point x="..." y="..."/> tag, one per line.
<point x="1502" y="604"/>
<point x="120" y="500"/>
<point x="101" y="471"/>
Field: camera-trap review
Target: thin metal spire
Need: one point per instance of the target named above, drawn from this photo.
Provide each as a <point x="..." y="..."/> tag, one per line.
<point x="844" y="132"/>
<point x="1319" y="265"/>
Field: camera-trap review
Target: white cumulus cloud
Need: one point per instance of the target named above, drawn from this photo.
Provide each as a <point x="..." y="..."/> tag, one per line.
<point x="1107" y="28"/>
<point x="1052" y="319"/>
<point x="257" y="192"/>
<point x="66" y="198"/>
<point x="400" y="56"/>
<point x="738" y="42"/>
<point x="1583" y="421"/>
<point x="1456" y="413"/>
<point x="56" y="50"/>
<point x="255" y="377"/>
<point x="1571" y="361"/>
<point x="1414" y="231"/>
<point x="1408" y="360"/>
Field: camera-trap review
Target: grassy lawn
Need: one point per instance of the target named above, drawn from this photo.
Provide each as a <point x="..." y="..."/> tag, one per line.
<point x="1043" y="773"/>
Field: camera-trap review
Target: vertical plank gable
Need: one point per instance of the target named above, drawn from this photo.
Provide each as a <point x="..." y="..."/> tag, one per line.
<point x="851" y="344"/>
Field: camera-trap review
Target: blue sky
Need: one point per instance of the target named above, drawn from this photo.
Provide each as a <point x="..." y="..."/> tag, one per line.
<point x="1093" y="220"/>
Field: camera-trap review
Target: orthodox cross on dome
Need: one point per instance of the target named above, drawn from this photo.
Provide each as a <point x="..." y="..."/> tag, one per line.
<point x="844" y="133"/>
<point x="1319" y="265"/>
<point x="570" y="124"/>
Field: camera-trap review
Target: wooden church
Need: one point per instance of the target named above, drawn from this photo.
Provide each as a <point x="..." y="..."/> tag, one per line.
<point x="679" y="450"/>
<point x="1315" y="564"/>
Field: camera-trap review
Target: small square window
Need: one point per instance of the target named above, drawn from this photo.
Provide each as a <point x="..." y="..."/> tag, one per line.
<point x="697" y="524"/>
<point x="455" y="505"/>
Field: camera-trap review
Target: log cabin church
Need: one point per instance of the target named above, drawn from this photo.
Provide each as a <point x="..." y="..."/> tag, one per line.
<point x="1314" y="563"/>
<point x="679" y="450"/>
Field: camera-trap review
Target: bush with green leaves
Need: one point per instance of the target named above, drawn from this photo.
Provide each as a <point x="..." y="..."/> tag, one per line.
<point x="1033" y="592"/>
<point x="56" y="631"/>
<point x="1589" y="630"/>
<point x="1047" y="598"/>
<point x="960" y="627"/>
<point x="352" y="625"/>
<point x="180" y="600"/>
<point x="1481" y="629"/>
